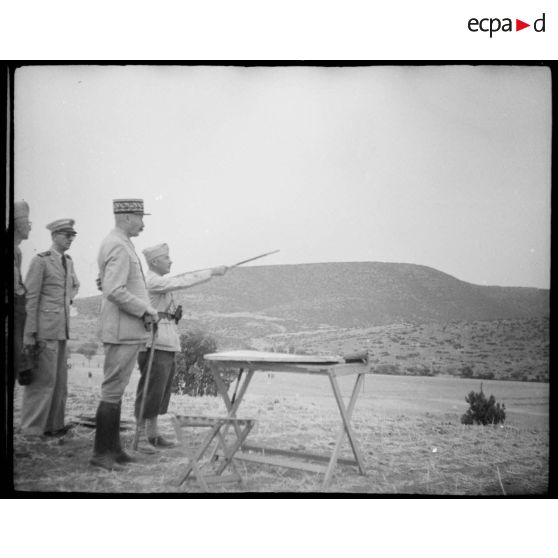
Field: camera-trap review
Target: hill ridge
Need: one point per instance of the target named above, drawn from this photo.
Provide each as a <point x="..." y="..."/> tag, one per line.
<point x="352" y="294"/>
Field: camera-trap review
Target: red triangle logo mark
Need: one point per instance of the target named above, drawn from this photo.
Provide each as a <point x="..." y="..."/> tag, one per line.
<point x="519" y="25"/>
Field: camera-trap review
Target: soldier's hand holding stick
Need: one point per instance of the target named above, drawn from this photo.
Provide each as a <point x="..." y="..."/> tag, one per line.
<point x="150" y="317"/>
<point x="145" y="385"/>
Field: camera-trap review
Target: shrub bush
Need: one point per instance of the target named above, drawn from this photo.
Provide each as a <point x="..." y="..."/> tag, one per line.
<point x="193" y="376"/>
<point x="482" y="410"/>
<point x="419" y="370"/>
<point x="88" y="350"/>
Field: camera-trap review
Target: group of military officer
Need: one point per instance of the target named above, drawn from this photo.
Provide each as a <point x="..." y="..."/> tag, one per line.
<point x="137" y="313"/>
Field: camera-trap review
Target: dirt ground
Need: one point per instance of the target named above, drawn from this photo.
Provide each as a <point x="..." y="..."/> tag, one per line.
<point x="408" y="428"/>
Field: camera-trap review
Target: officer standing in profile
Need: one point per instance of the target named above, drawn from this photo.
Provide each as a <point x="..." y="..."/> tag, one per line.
<point x="22" y="227"/>
<point x="155" y="397"/>
<point x="126" y="318"/>
<point x="51" y="285"/>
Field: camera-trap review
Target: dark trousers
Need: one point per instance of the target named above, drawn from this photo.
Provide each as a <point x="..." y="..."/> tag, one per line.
<point x="160" y="383"/>
<point x="19" y="324"/>
<point x="21" y="360"/>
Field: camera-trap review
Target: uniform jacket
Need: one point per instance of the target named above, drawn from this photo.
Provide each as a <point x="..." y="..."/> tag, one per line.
<point x="160" y="293"/>
<point x="50" y="291"/>
<point x="125" y="297"/>
<point x="19" y="287"/>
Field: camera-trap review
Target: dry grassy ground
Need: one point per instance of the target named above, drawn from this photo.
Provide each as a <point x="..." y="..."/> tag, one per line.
<point x="408" y="428"/>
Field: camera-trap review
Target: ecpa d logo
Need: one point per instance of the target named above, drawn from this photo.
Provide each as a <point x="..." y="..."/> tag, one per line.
<point x="492" y="25"/>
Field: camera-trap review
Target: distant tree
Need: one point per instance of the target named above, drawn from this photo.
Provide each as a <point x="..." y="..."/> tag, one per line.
<point x="193" y="375"/>
<point x="88" y="350"/>
<point x="467" y="371"/>
<point x="482" y="410"/>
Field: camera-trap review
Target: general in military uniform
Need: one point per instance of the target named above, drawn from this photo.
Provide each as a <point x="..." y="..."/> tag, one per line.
<point x="51" y="285"/>
<point x="22" y="227"/>
<point x="155" y="398"/>
<point x="126" y="316"/>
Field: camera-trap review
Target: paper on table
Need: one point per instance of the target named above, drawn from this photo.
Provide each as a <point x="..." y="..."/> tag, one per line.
<point x="262" y="356"/>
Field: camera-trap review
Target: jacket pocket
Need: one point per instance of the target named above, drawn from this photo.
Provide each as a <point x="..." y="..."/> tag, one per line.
<point x="131" y="328"/>
<point x="49" y="323"/>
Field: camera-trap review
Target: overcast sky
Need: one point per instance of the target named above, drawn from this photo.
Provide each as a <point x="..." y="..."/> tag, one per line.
<point x="447" y="166"/>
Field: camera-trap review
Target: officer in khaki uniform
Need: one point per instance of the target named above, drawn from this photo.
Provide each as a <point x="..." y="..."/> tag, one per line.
<point x="125" y="321"/>
<point x="156" y="396"/>
<point x="51" y="286"/>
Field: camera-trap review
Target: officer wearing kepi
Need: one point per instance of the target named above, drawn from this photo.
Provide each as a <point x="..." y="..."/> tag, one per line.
<point x="125" y="321"/>
<point x="51" y="286"/>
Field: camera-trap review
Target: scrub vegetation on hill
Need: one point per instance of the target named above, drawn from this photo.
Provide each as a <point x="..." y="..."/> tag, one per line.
<point x="498" y="349"/>
<point x="413" y="320"/>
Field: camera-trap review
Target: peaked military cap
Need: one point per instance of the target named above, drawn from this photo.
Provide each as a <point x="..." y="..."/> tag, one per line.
<point x="128" y="206"/>
<point x="21" y="209"/>
<point x="156" y="251"/>
<point x="62" y="225"/>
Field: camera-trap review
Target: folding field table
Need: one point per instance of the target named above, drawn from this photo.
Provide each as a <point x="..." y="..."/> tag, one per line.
<point x="249" y="362"/>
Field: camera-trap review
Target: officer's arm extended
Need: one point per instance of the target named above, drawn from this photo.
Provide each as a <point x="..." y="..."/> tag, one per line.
<point x="158" y="284"/>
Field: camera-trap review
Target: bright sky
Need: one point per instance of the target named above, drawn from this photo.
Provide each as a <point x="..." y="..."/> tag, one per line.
<point x="446" y="166"/>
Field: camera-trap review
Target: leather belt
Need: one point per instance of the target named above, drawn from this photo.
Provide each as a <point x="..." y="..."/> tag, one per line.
<point x="166" y="315"/>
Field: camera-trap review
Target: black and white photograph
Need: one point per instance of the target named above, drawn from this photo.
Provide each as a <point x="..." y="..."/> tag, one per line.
<point x="295" y="278"/>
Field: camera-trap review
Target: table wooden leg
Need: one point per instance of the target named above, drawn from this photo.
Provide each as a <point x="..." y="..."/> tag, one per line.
<point x="230" y="451"/>
<point x="346" y="427"/>
<point x="230" y="405"/>
<point x="227" y="456"/>
<point x="193" y="465"/>
<point x="242" y="391"/>
<point x="223" y="392"/>
<point x="221" y="386"/>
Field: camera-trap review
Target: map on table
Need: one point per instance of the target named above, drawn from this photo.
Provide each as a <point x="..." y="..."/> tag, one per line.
<point x="269" y="357"/>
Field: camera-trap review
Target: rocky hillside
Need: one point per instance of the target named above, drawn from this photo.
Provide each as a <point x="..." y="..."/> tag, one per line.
<point x="412" y="319"/>
<point x="353" y="295"/>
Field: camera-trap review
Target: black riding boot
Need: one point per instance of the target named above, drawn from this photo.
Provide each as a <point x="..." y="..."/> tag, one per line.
<point x="120" y="456"/>
<point x="106" y="423"/>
